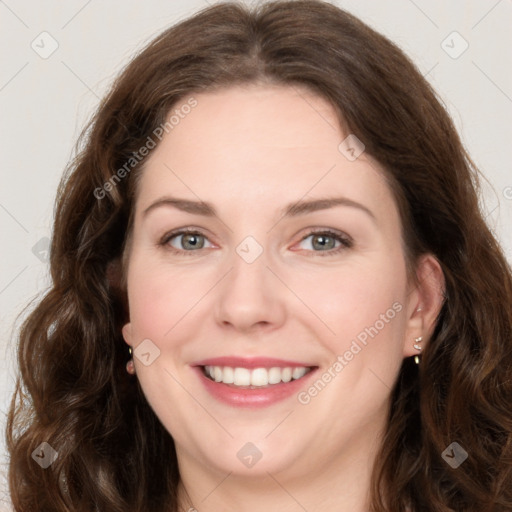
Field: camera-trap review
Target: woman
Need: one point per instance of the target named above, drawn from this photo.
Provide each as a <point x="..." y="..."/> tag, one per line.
<point x="273" y="288"/>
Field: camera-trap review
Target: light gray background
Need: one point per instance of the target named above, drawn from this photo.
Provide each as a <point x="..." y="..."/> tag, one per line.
<point x="46" y="101"/>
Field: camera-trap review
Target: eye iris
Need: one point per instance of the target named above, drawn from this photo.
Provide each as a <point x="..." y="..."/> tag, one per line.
<point x="323" y="243"/>
<point x="187" y="240"/>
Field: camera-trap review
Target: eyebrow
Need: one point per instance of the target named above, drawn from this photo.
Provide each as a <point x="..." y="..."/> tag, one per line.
<point x="291" y="210"/>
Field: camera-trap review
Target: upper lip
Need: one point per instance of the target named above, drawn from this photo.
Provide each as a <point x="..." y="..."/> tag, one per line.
<point x="251" y="362"/>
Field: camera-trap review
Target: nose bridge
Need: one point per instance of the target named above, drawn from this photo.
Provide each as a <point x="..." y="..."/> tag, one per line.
<point x="248" y="279"/>
<point x="250" y="292"/>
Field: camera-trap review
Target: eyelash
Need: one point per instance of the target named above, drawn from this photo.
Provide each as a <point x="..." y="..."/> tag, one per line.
<point x="346" y="242"/>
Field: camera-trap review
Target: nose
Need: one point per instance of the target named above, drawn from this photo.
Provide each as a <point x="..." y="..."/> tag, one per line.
<point x="250" y="298"/>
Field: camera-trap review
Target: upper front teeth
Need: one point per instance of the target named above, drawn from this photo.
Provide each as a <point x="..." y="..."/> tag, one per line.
<point x="255" y="377"/>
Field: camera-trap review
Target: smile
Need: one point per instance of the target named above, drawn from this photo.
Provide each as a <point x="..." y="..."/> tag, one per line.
<point x="252" y="381"/>
<point x="256" y="377"/>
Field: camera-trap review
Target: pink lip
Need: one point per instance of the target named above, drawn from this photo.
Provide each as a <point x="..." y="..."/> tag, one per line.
<point x="247" y="397"/>
<point x="250" y="362"/>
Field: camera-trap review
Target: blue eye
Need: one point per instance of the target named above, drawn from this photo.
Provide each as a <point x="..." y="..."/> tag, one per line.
<point x="323" y="242"/>
<point x="326" y="240"/>
<point x="190" y="241"/>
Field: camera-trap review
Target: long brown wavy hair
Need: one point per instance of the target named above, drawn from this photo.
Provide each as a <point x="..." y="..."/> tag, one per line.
<point x="73" y="391"/>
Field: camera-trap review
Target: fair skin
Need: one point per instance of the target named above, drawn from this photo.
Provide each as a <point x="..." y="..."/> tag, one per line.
<point x="250" y="151"/>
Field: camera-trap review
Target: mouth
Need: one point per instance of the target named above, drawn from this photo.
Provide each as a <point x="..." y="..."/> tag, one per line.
<point x="256" y="378"/>
<point x="253" y="382"/>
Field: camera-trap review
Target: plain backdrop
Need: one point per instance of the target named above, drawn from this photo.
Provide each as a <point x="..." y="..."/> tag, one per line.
<point x="60" y="57"/>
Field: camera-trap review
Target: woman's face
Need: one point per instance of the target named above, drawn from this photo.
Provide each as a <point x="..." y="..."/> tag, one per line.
<point x="273" y="283"/>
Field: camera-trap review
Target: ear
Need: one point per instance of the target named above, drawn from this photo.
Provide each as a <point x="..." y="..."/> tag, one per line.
<point x="424" y="303"/>
<point x="127" y="334"/>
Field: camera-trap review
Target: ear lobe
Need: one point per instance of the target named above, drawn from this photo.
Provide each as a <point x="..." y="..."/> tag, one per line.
<point x="425" y="303"/>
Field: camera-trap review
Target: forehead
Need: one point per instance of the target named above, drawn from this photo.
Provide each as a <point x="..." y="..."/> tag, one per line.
<point x="257" y="117"/>
<point x="257" y="144"/>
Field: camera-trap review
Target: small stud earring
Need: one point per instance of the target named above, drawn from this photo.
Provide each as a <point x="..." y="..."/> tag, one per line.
<point x="417" y="347"/>
<point x="130" y="367"/>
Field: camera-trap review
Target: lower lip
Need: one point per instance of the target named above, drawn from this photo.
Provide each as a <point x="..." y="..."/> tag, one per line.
<point x="256" y="397"/>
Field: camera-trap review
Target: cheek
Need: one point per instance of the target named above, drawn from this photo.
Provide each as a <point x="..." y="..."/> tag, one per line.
<point x="361" y="302"/>
<point x="160" y="298"/>
<point x="365" y="307"/>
